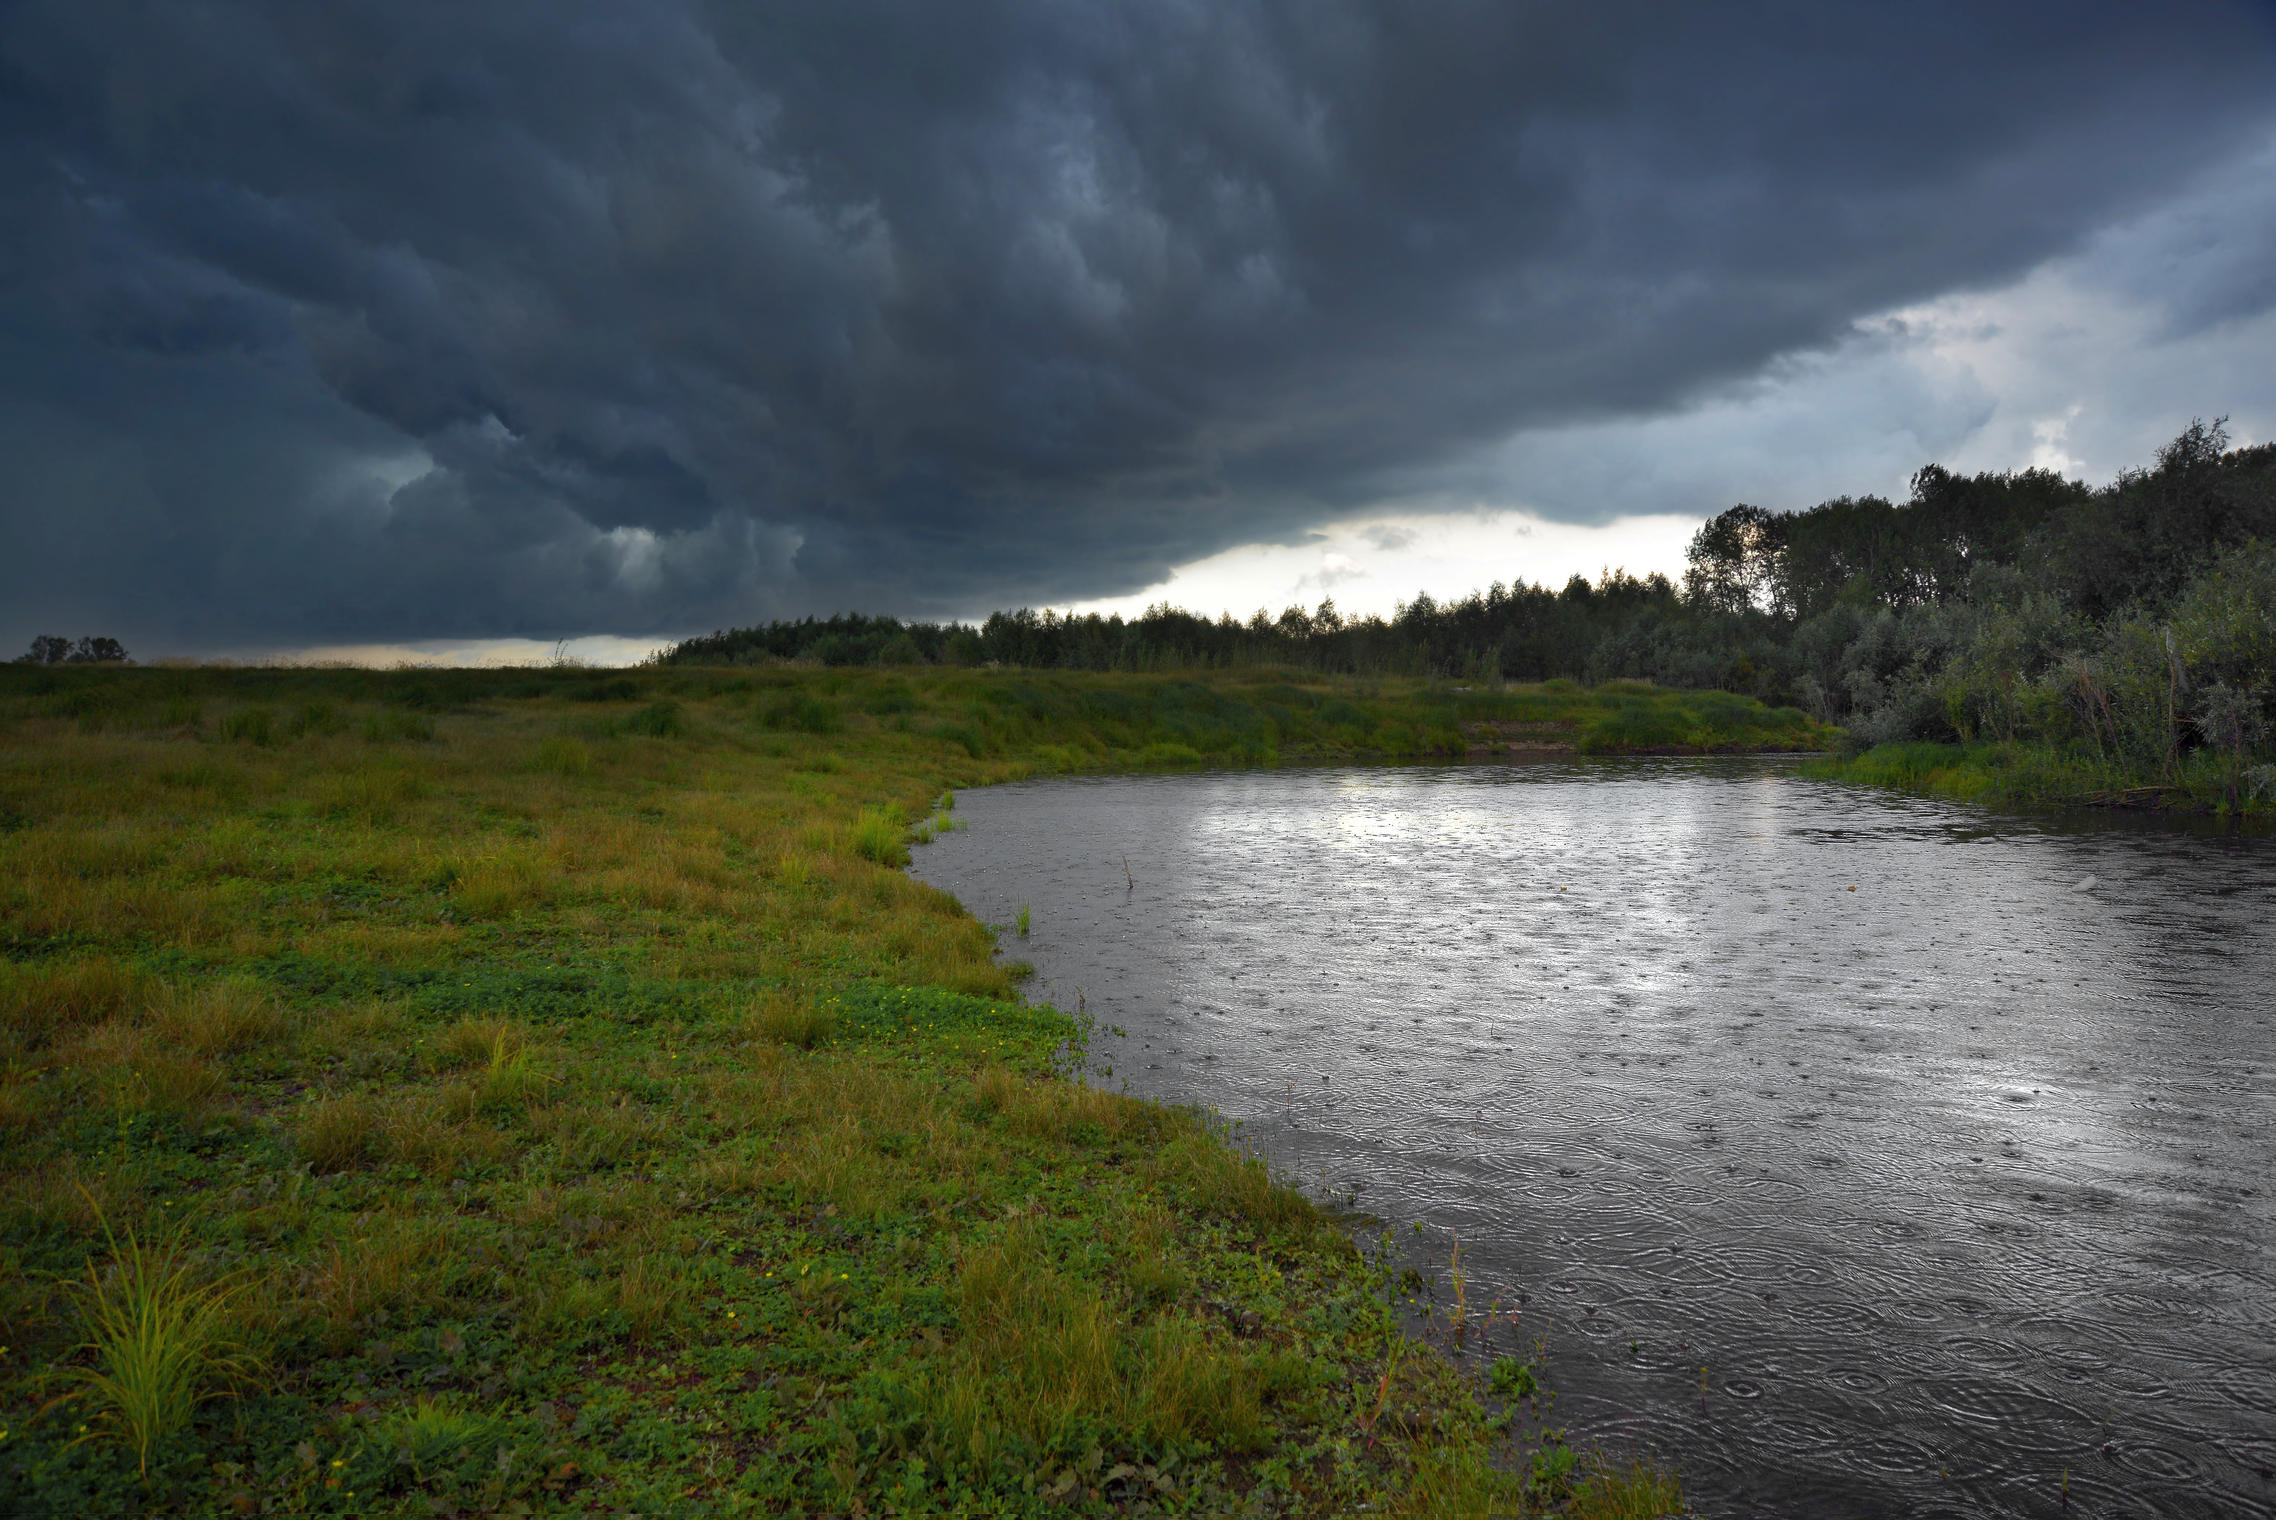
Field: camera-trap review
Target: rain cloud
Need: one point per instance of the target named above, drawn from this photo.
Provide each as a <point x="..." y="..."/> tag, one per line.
<point x="372" y="321"/>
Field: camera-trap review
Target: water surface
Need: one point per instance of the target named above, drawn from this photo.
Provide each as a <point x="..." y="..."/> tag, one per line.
<point x="1941" y="1141"/>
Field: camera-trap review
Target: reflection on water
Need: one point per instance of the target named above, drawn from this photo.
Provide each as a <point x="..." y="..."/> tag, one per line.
<point x="1949" y="1165"/>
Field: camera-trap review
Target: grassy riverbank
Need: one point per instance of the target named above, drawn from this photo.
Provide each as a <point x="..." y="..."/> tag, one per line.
<point x="542" y="1092"/>
<point x="2045" y="775"/>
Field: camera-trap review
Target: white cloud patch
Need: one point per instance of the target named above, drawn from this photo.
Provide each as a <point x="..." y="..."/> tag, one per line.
<point x="1373" y="565"/>
<point x="598" y="650"/>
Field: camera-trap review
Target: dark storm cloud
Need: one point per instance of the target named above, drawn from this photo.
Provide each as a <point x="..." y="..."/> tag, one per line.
<point x="401" y="319"/>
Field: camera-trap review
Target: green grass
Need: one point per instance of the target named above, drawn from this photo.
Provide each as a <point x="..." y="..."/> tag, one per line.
<point x="2047" y="775"/>
<point x="160" y="1342"/>
<point x="553" y="1099"/>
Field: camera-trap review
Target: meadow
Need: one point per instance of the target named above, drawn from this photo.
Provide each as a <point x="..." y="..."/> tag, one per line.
<point x="543" y="1092"/>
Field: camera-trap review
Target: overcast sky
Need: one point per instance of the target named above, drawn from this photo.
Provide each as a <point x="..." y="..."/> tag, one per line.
<point x="470" y="326"/>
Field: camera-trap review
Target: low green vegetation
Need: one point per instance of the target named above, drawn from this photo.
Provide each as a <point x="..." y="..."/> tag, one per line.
<point x="2066" y="643"/>
<point x="2031" y="775"/>
<point x="540" y="1092"/>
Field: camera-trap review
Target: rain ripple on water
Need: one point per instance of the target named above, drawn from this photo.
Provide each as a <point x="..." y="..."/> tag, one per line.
<point x="1956" y="1182"/>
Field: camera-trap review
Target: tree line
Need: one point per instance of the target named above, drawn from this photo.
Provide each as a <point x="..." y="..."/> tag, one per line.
<point x="2136" y="619"/>
<point x="54" y="649"/>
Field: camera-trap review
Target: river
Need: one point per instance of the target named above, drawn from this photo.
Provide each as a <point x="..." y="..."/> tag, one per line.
<point x="1857" y="1154"/>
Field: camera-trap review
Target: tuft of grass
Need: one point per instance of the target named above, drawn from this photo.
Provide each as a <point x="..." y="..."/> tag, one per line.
<point x="808" y="713"/>
<point x="1212" y="1175"/>
<point x="877" y="836"/>
<point x="791" y="1018"/>
<point x="561" y="755"/>
<point x="167" y="1085"/>
<point x="499" y="884"/>
<point x="338" y="1134"/>
<point x="1638" y="1491"/>
<point x="474" y="1042"/>
<point x="370" y="794"/>
<point x="1513" y="1379"/>
<point x="1464" y="1486"/>
<point x="650" y="1295"/>
<point x="318" y="717"/>
<point x="250" y="725"/>
<point x="388" y="726"/>
<point x="1155" y="1276"/>
<point x="1020" y="921"/>
<point x="162" y="1339"/>
<point x="500" y="1058"/>
<point x="223" y="1018"/>
<point x="433" y="1438"/>
<point x="362" y="1281"/>
<point x="510" y="1077"/>
<point x="1043" y="1359"/>
<point x="39" y="1002"/>
<point x="658" y="720"/>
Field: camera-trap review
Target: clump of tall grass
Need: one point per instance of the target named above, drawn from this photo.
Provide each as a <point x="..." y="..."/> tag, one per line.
<point x="593" y="1137"/>
<point x="658" y="720"/>
<point x="791" y="1018"/>
<point x="1152" y="1274"/>
<point x="165" y="1085"/>
<point x="320" y="718"/>
<point x="794" y="871"/>
<point x="1463" y="1485"/>
<point x="1637" y="1492"/>
<point x="370" y="794"/>
<point x="358" y="1281"/>
<point x="832" y="1164"/>
<point x="877" y="836"/>
<point x="163" y="1342"/>
<point x="1064" y="1112"/>
<point x="942" y="821"/>
<point x="563" y="756"/>
<point x="806" y="713"/>
<point x="40" y="1002"/>
<point x="227" y="1017"/>
<point x="1214" y="1176"/>
<point x="432" y="1438"/>
<point x="250" y="725"/>
<point x="384" y="727"/>
<point x="498" y="1054"/>
<point x="335" y="1134"/>
<point x="474" y="1042"/>
<point x="650" y="1294"/>
<point x="499" y="884"/>
<point x="1043" y="1362"/>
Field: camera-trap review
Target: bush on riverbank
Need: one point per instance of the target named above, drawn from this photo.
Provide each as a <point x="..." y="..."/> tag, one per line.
<point x="543" y="1095"/>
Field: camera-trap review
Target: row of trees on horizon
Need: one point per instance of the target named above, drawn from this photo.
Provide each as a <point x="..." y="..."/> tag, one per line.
<point x="2137" y="618"/>
<point x="55" y="649"/>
